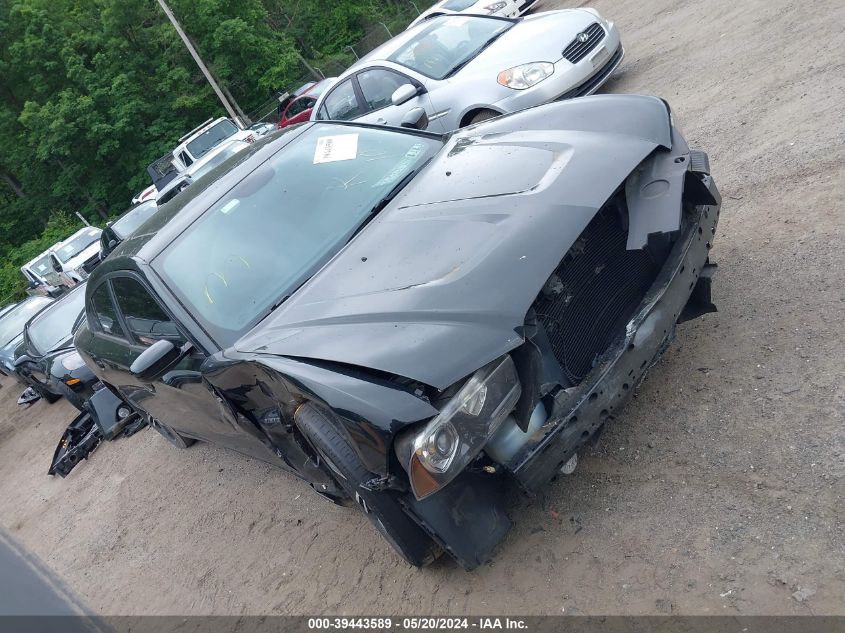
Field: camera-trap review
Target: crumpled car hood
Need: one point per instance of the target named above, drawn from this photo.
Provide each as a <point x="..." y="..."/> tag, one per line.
<point x="440" y="282"/>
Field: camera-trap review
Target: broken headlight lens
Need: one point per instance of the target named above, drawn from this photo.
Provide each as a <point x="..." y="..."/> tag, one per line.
<point x="525" y="76"/>
<point x="455" y="437"/>
<point x="72" y="362"/>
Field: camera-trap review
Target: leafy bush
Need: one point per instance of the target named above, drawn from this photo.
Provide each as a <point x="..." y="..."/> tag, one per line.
<point x="12" y="282"/>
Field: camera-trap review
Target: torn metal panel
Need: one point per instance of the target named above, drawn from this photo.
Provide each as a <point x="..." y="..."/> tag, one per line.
<point x="653" y="190"/>
<point x="78" y="441"/>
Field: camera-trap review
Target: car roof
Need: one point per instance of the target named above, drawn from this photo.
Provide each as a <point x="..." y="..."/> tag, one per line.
<point x="143" y="203"/>
<point x="304" y="88"/>
<point x="35" y="259"/>
<point x="29" y="300"/>
<point x="320" y="87"/>
<point x="84" y="229"/>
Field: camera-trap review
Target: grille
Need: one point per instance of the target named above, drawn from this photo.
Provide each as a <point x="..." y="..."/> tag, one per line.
<point x="589" y="299"/>
<point x="577" y="50"/>
<point x="91" y="263"/>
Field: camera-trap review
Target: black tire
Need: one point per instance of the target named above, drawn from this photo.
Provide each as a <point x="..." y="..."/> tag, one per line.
<point x="179" y="441"/>
<point x="482" y="115"/>
<point x="383" y="510"/>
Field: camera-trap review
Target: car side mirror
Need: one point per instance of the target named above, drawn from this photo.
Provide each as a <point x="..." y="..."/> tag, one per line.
<point x="415" y="119"/>
<point x="157" y="359"/>
<point x="403" y="94"/>
<point x="22" y="360"/>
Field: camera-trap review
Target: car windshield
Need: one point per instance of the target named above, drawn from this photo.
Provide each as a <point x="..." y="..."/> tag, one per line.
<point x="55" y="324"/>
<point x="447" y="43"/>
<point x="283" y="221"/>
<point x="13" y="322"/>
<point x="129" y="222"/>
<point x="458" y="5"/>
<point x="224" y="154"/>
<point x="212" y="137"/>
<point x="78" y="244"/>
<point x="42" y="266"/>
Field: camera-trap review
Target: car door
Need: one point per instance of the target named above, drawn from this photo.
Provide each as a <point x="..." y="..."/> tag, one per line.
<point x="130" y="319"/>
<point x="377" y="86"/>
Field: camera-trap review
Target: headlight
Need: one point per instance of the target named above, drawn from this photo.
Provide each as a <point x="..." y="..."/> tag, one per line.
<point x="72" y="361"/>
<point x="496" y="6"/>
<point x="525" y="76"/>
<point x="455" y="437"/>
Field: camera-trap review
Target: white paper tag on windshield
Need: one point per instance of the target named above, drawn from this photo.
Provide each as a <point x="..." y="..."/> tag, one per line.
<point x="334" y="148"/>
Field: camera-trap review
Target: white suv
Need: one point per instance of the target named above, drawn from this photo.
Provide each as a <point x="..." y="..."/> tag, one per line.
<point x="204" y="138"/>
<point x="78" y="255"/>
<point x="192" y="147"/>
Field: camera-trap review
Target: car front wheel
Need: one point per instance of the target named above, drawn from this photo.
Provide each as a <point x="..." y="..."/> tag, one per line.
<point x="482" y="115"/>
<point x="383" y="510"/>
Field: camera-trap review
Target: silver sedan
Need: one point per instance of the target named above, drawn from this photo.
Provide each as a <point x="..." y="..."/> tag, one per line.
<point x="462" y="69"/>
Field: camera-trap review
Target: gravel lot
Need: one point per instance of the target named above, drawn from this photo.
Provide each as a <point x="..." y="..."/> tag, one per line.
<point x="719" y="491"/>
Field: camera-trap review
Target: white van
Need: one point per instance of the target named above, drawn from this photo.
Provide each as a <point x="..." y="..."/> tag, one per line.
<point x="78" y="255"/>
<point x="191" y="148"/>
<point x="204" y="138"/>
<point x="41" y="277"/>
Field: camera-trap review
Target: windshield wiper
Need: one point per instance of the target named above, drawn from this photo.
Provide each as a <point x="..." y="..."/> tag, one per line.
<point x="388" y="198"/>
<point x="381" y="204"/>
<point x="478" y="52"/>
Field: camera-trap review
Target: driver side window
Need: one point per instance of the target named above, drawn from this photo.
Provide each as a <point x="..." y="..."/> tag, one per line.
<point x="105" y="312"/>
<point x="342" y="104"/>
<point x="300" y="105"/>
<point x="144" y="317"/>
<point x="378" y="86"/>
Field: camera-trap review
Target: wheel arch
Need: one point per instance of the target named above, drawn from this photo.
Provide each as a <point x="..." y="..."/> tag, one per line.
<point x="470" y="112"/>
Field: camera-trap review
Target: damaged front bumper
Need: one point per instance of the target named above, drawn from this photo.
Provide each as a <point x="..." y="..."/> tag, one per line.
<point x="103" y="417"/>
<point x="579" y="412"/>
<point x="468" y="516"/>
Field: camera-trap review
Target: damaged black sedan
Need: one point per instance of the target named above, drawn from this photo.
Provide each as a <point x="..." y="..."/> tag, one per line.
<point x="404" y="319"/>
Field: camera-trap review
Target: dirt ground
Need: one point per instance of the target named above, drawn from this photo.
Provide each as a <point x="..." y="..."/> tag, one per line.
<point x="719" y="491"/>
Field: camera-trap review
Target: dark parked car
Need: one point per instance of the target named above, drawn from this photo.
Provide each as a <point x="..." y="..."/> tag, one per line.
<point x="46" y="359"/>
<point x="405" y="319"/>
<point x="12" y="323"/>
<point x="125" y="225"/>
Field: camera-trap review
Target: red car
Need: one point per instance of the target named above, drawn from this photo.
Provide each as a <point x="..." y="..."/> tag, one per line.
<point x="298" y="108"/>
